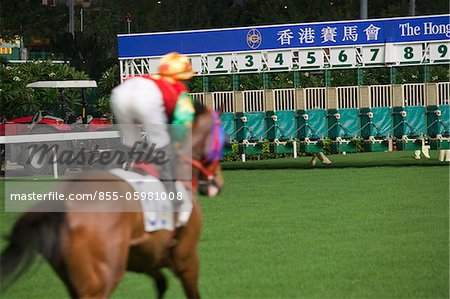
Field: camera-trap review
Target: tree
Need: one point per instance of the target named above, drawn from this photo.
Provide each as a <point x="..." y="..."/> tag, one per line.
<point x="18" y="100"/>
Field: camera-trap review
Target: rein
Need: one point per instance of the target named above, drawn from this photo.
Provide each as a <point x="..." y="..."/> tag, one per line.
<point x="214" y="156"/>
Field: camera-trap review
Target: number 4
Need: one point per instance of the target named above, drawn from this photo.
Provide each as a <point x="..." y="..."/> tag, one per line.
<point x="279" y="59"/>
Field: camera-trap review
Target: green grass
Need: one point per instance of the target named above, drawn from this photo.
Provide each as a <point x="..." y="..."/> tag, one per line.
<point x="373" y="225"/>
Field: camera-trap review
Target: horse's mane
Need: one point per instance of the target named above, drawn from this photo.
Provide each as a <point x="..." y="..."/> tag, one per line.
<point x="199" y="108"/>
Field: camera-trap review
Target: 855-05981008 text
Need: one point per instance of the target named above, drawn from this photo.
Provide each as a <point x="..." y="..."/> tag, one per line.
<point x="97" y="195"/>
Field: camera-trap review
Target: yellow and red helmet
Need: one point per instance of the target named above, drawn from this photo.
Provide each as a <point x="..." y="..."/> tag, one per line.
<point x="176" y="66"/>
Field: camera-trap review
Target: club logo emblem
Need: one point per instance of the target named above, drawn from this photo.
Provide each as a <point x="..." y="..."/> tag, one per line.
<point x="254" y="38"/>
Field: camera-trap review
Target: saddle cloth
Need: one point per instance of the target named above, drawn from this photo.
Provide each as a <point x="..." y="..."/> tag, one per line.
<point x="158" y="214"/>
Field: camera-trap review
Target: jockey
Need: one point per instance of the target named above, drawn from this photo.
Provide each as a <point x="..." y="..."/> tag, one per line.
<point x="156" y="101"/>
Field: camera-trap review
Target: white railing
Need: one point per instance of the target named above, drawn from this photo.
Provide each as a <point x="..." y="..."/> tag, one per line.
<point x="380" y="95"/>
<point x="414" y="94"/>
<point x="30" y="138"/>
<point x="347" y="97"/>
<point x="284" y="99"/>
<point x="198" y="97"/>
<point x="315" y="98"/>
<point x="443" y="96"/>
<point x="58" y="137"/>
<point x="223" y="101"/>
<point x="253" y="100"/>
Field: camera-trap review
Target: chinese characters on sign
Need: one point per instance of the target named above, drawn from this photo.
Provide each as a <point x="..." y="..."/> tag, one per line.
<point x="328" y="35"/>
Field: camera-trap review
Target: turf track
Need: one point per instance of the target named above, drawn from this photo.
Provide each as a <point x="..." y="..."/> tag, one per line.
<point x="373" y="225"/>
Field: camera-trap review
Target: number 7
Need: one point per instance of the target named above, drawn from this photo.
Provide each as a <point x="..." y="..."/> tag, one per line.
<point x="375" y="53"/>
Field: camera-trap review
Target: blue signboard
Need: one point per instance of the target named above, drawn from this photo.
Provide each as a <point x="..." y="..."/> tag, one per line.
<point x="289" y="36"/>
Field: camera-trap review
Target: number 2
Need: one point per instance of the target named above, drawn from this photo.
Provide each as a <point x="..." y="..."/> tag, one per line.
<point x="219" y="61"/>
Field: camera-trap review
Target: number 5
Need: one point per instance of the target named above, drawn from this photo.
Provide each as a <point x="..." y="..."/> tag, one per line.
<point x="311" y="58"/>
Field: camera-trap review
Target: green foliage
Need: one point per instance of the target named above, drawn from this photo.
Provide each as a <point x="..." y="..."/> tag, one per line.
<point x="281" y="80"/>
<point x="85" y="52"/>
<point x="267" y="154"/>
<point x="220" y="83"/>
<point x="440" y="73"/>
<point x="234" y="155"/>
<point x="343" y="78"/>
<point x="94" y="49"/>
<point x="102" y="106"/>
<point x="109" y="79"/>
<point x="18" y="100"/>
<point x="376" y="76"/>
<point x="411" y="74"/>
<point x="195" y="84"/>
<point x="251" y="82"/>
<point x="312" y="79"/>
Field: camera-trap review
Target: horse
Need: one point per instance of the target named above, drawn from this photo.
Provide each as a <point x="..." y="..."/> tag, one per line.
<point x="91" y="251"/>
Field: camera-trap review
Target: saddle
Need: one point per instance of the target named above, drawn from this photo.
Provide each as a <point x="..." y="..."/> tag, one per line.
<point x="157" y="210"/>
<point x="145" y="169"/>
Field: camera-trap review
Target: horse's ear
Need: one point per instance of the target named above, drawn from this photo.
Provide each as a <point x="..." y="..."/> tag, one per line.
<point x="220" y="110"/>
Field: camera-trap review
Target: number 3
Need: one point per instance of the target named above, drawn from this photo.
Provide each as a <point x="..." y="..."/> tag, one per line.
<point x="249" y="61"/>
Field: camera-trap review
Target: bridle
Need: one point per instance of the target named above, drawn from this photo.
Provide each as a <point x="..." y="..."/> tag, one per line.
<point x="215" y="153"/>
<point x="208" y="172"/>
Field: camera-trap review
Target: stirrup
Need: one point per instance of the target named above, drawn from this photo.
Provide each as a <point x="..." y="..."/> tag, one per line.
<point x="127" y="165"/>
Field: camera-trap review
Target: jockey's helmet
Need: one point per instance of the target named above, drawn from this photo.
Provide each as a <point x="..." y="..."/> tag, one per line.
<point x="176" y="66"/>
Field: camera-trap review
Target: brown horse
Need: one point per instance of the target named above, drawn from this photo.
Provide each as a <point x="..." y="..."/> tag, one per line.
<point x="91" y="251"/>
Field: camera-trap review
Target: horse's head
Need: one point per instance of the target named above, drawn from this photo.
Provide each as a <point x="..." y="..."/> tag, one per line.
<point x="207" y="148"/>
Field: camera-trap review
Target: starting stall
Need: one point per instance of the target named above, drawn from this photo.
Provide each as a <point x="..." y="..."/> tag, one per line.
<point x="438" y="116"/>
<point x="410" y="122"/>
<point x="224" y="102"/>
<point x="312" y="120"/>
<point x="376" y="117"/>
<point x="407" y="114"/>
<point x="250" y="123"/>
<point x="343" y="119"/>
<point x="281" y="122"/>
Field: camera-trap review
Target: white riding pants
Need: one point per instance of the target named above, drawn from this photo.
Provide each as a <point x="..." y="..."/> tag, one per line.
<point x="140" y="101"/>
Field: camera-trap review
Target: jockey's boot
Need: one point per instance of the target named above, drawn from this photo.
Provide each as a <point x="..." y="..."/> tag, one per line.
<point x="167" y="176"/>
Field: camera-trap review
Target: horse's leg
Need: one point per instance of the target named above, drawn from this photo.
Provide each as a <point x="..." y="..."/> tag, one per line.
<point x="69" y="286"/>
<point x="96" y="256"/>
<point x="160" y="283"/>
<point x="187" y="269"/>
<point x="185" y="260"/>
